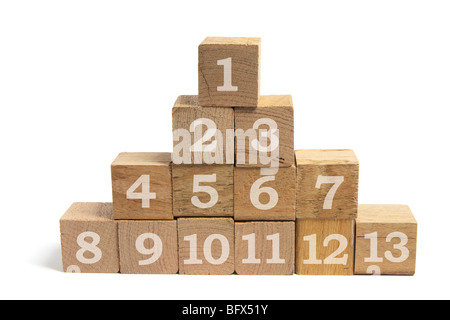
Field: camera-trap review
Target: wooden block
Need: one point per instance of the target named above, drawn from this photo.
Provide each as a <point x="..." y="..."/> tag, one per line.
<point x="265" y="248"/>
<point x="327" y="184"/>
<point x="324" y="247"/>
<point x="274" y="117"/>
<point x="202" y="135"/>
<point x="203" y="191"/>
<point x="228" y="72"/>
<point x="89" y="239"/>
<point x="386" y="238"/>
<point x="142" y="186"/>
<point x="148" y="247"/>
<point x="206" y="246"/>
<point x="264" y="197"/>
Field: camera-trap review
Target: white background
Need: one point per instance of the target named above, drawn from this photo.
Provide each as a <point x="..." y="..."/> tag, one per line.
<point x="81" y="81"/>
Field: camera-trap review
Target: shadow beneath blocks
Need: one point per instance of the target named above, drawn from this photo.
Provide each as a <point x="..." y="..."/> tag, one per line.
<point x="51" y="258"/>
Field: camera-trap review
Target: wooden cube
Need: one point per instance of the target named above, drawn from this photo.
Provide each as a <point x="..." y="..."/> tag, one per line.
<point x="324" y="247"/>
<point x="260" y="197"/>
<point x="228" y="72"/>
<point x="89" y="239"/>
<point x="202" y="191"/>
<point x="386" y="238"/>
<point x="202" y="135"/>
<point x="148" y="247"/>
<point x="206" y="246"/>
<point x="327" y="184"/>
<point x="265" y="248"/>
<point x="142" y="186"/>
<point x="272" y="120"/>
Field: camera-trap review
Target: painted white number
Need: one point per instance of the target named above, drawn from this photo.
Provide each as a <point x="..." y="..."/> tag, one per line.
<point x="374" y="270"/>
<point x="332" y="259"/>
<point x="192" y="250"/>
<point x="227" y="83"/>
<point x="145" y="195"/>
<point x="155" y="251"/>
<point x="343" y="243"/>
<point x="373" y="237"/>
<point x="89" y="247"/>
<point x="400" y="246"/>
<point x="73" y="269"/>
<point x="225" y="249"/>
<point x="214" y="196"/>
<point x="207" y="249"/>
<point x="337" y="181"/>
<point x="251" y="249"/>
<point x="256" y="191"/>
<point x="275" y="238"/>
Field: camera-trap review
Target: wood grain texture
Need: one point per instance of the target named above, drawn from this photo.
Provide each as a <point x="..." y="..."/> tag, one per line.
<point x="183" y="191"/>
<point x="185" y="111"/>
<point x="284" y="185"/>
<point x="245" y="55"/>
<point x="134" y="234"/>
<point x="385" y="220"/>
<point x="83" y="218"/>
<point x="126" y="170"/>
<point x="269" y="264"/>
<point x="278" y="108"/>
<point x="204" y="228"/>
<point x="324" y="228"/>
<point x="310" y="200"/>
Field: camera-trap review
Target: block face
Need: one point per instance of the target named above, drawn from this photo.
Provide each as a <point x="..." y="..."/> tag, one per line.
<point x="327" y="184"/>
<point x="264" y="197"/>
<point x="228" y="72"/>
<point x="206" y="246"/>
<point x="265" y="248"/>
<point x="386" y="240"/>
<point x="142" y="186"/>
<point x="275" y="115"/>
<point x="148" y="247"/>
<point x="200" y="190"/>
<point x="202" y="135"/>
<point x="89" y="239"/>
<point x="324" y="247"/>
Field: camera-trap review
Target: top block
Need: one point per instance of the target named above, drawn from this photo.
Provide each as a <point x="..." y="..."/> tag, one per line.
<point x="228" y="72"/>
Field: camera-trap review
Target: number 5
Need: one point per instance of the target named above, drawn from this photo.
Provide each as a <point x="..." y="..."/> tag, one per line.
<point x="198" y="178"/>
<point x="337" y="181"/>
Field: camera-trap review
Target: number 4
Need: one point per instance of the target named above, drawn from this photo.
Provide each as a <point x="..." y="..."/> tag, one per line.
<point x="337" y="181"/>
<point x="145" y="195"/>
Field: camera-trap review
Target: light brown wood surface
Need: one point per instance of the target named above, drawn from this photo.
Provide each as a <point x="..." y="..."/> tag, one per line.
<point x="204" y="228"/>
<point x="215" y="202"/>
<point x="126" y="170"/>
<point x="148" y="247"/>
<point x="278" y="108"/>
<point x="187" y="110"/>
<point x="245" y="66"/>
<point x="326" y="249"/>
<point x="327" y="163"/>
<point x="385" y="220"/>
<point x="80" y="251"/>
<point x="284" y="185"/>
<point x="266" y="260"/>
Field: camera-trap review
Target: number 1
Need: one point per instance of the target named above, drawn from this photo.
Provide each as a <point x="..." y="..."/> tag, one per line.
<point x="227" y="86"/>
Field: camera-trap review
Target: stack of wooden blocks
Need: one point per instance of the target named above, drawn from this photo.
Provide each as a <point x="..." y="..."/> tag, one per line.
<point x="234" y="197"/>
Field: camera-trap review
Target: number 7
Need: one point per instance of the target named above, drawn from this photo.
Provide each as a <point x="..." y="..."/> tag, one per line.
<point x="337" y="181"/>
